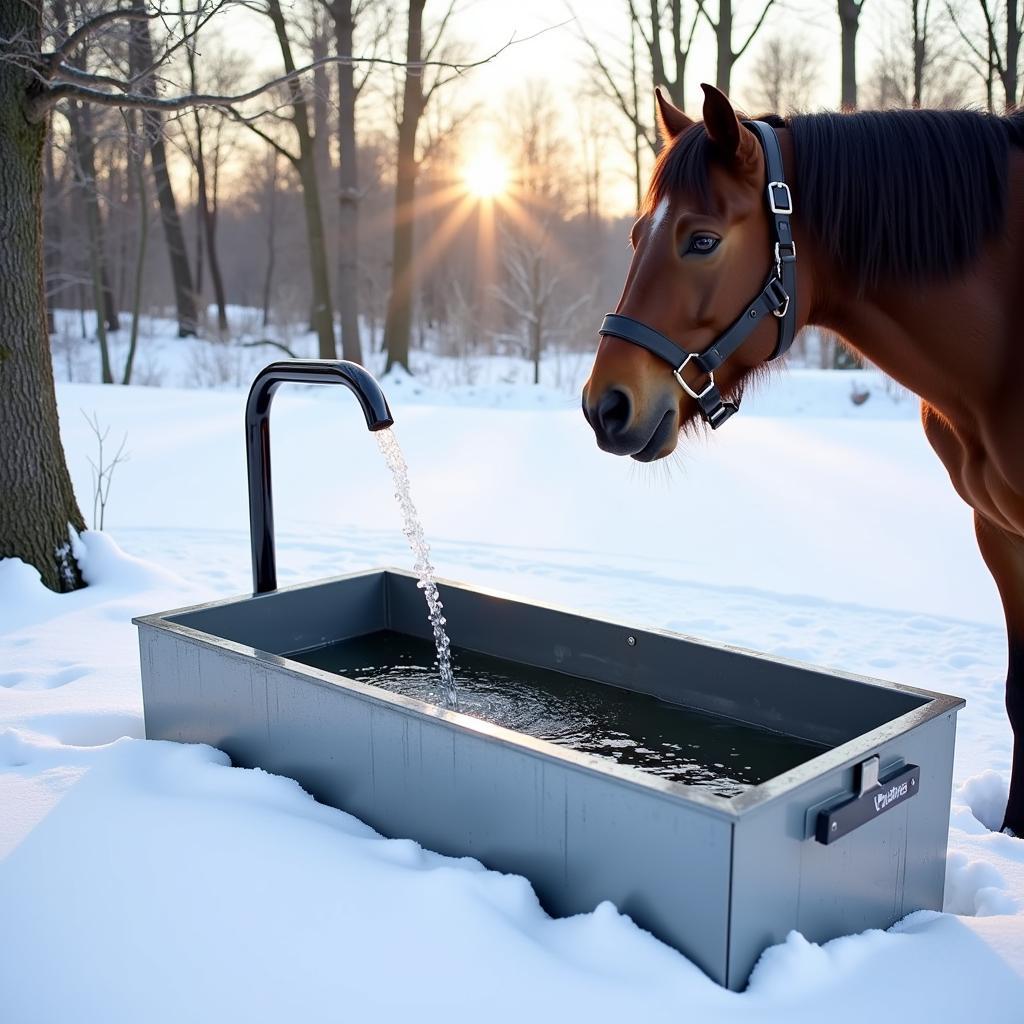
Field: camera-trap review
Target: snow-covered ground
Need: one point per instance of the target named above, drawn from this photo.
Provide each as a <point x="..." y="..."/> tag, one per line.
<point x="149" y="881"/>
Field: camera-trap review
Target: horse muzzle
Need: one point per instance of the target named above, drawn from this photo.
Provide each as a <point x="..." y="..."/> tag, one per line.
<point x="620" y="431"/>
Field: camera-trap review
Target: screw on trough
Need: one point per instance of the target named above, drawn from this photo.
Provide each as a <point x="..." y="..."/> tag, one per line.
<point x="631" y="640"/>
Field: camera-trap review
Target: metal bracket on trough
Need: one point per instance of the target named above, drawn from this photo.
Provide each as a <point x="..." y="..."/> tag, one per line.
<point x="874" y="797"/>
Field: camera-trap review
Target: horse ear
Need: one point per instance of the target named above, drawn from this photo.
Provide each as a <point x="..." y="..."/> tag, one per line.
<point x="671" y="120"/>
<point x="723" y="126"/>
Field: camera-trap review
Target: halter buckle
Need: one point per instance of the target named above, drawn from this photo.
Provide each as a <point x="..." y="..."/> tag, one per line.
<point x="678" y="374"/>
<point x="780" y="296"/>
<point x="775" y="187"/>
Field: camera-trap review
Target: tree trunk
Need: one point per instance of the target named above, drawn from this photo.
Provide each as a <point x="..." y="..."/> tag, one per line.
<point x="82" y="135"/>
<point x="723" y="32"/>
<point x="141" y="50"/>
<point x="37" y="502"/>
<point x="268" y="277"/>
<point x="638" y="182"/>
<point x="52" y="251"/>
<point x="348" y="191"/>
<point x="323" y="314"/>
<point x="398" y="323"/>
<point x="209" y="224"/>
<point x="919" y="46"/>
<point x="1012" y="56"/>
<point x="849" y="22"/>
<point x="135" y="168"/>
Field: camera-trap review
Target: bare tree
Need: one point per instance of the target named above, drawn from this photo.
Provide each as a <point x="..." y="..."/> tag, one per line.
<point x="83" y="136"/>
<point x="723" y="28"/>
<point x="345" y="15"/>
<point x="785" y="74"/>
<point x="995" y="45"/>
<point x="37" y="501"/>
<point x="206" y="147"/>
<point x="304" y="163"/>
<point x="143" y="67"/>
<point x="917" y="65"/>
<point x="103" y="468"/>
<point x="136" y="160"/>
<point x="660" y="42"/>
<point x="533" y="294"/>
<point x="417" y="93"/>
<point x="849" y="25"/>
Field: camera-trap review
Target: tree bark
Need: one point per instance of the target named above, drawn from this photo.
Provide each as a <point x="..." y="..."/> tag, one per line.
<point x="348" y="190"/>
<point x="207" y="210"/>
<point x="1012" y="55"/>
<point x="849" y="23"/>
<point x="323" y="314"/>
<point x="398" y="323"/>
<point x="268" y="277"/>
<point x="135" y="168"/>
<point x="52" y="250"/>
<point x="82" y="136"/>
<point x="37" y="501"/>
<point x="723" y="35"/>
<point x="141" y="50"/>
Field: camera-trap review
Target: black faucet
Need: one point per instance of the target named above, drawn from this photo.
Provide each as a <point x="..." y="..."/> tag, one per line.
<point x="257" y="442"/>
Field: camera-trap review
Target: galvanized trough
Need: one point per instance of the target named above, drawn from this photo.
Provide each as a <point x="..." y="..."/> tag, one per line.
<point x="854" y="838"/>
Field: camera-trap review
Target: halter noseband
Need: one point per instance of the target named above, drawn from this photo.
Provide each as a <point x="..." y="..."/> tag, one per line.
<point x="778" y="297"/>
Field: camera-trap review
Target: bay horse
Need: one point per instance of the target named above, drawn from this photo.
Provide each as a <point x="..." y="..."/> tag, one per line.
<point x="902" y="231"/>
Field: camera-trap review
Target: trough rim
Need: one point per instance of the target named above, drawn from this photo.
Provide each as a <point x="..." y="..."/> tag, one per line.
<point x="844" y="756"/>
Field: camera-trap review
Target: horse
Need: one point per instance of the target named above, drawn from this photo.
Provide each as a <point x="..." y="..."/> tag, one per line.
<point x="901" y="231"/>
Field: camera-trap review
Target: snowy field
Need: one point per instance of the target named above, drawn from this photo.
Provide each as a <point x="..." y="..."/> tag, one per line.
<point x="151" y="881"/>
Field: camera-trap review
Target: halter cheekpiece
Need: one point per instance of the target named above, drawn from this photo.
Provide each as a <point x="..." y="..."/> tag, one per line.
<point x="778" y="297"/>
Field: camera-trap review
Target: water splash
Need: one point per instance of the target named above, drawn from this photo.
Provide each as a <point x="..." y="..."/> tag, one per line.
<point x="413" y="530"/>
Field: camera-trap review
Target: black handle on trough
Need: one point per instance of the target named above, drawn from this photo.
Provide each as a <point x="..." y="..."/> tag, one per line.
<point x="257" y="442"/>
<point x="875" y="796"/>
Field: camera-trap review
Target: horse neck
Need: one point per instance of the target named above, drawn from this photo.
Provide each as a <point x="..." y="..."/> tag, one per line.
<point x="914" y="333"/>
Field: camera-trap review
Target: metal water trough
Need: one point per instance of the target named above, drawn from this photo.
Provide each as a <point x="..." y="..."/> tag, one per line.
<point x="853" y="839"/>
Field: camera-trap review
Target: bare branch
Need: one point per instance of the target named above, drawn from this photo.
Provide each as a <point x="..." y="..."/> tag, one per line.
<point x="753" y="32"/>
<point x="92" y="26"/>
<point x="966" y="39"/>
<point x="707" y="17"/>
<point x="439" y="35"/>
<point x="615" y="93"/>
<point x="268" y="139"/>
<point x="43" y="101"/>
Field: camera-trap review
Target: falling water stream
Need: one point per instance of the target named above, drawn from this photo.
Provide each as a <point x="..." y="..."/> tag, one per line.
<point x="413" y="530"/>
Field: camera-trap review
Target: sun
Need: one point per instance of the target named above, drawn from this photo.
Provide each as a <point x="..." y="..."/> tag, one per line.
<point x="486" y="175"/>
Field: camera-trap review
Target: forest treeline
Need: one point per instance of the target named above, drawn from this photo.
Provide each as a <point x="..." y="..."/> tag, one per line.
<point x="149" y="161"/>
<point x="335" y="198"/>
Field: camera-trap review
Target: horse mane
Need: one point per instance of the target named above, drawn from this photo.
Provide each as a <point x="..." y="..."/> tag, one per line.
<point x="899" y="196"/>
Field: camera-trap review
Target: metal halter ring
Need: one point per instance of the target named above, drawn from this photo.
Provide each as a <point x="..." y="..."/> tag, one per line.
<point x="678" y="373"/>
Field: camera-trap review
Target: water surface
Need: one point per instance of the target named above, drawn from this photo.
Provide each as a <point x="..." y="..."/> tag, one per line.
<point x="667" y="740"/>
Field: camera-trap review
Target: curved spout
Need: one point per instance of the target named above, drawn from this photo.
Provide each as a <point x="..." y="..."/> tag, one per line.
<point x="257" y="442"/>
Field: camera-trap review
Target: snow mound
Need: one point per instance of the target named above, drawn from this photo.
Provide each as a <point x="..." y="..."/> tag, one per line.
<point x="986" y="796"/>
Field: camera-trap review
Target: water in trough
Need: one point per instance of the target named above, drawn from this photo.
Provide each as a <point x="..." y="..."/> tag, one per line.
<point x="669" y="740"/>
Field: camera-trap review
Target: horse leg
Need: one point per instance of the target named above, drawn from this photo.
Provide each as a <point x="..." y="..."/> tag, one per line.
<point x="1004" y="555"/>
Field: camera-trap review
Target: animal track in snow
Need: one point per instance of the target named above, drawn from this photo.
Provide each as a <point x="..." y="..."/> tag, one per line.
<point x="34" y="679"/>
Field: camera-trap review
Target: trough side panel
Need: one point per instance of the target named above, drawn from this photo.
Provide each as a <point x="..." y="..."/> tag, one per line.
<point x="580" y="837"/>
<point x="783" y="879"/>
<point x="792" y="699"/>
<point x="299" y="619"/>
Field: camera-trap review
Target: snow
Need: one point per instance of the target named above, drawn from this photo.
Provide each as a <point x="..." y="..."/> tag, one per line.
<point x="145" y="880"/>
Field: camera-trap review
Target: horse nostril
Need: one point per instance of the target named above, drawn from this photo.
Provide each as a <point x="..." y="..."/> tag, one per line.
<point x="614" y="411"/>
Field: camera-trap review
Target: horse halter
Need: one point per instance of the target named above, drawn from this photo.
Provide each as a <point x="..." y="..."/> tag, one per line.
<point x="778" y="297"/>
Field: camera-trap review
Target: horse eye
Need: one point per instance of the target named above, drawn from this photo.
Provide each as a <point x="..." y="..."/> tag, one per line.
<point x="703" y="244"/>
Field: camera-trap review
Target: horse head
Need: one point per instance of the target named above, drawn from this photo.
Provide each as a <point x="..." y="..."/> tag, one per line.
<point x="702" y="247"/>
